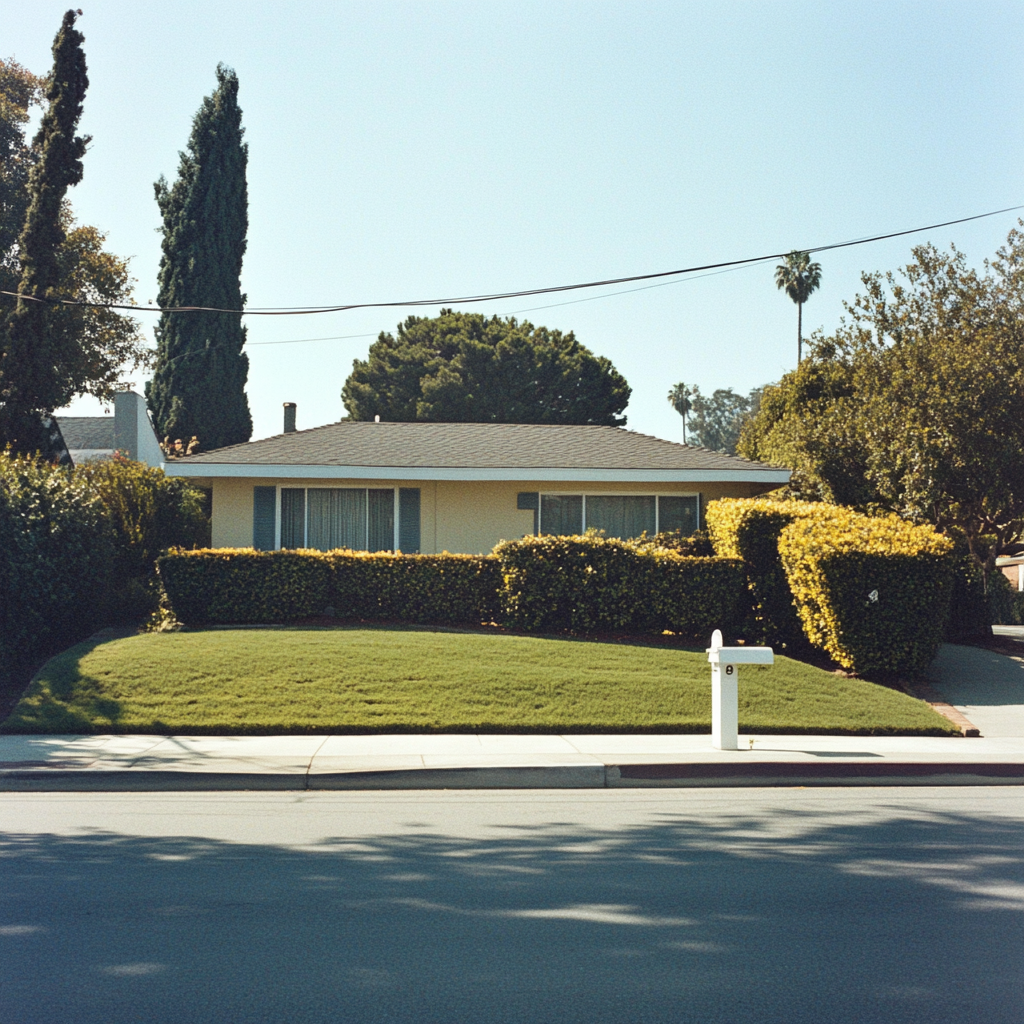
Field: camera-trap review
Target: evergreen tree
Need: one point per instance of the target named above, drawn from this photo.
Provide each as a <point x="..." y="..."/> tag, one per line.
<point x="38" y="348"/>
<point x="198" y="386"/>
<point x="468" y="368"/>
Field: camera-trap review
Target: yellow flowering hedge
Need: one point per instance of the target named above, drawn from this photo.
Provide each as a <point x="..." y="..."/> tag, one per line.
<point x="592" y="583"/>
<point x="242" y="585"/>
<point x="872" y="592"/>
<point x="750" y="528"/>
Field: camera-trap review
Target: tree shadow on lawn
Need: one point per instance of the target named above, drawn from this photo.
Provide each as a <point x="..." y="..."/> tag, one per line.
<point x="882" y="915"/>
<point x="72" y="702"/>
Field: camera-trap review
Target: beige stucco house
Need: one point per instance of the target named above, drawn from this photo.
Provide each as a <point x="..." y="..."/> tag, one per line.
<point x="459" y="487"/>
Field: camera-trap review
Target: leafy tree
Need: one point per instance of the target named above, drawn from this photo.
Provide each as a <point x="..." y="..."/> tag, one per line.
<point x="915" y="405"/>
<point x="198" y="386"/>
<point x="20" y="90"/>
<point x="466" y="368"/>
<point x="798" y="277"/>
<point x="679" y="398"/>
<point x="83" y="349"/>
<point x="717" y="420"/>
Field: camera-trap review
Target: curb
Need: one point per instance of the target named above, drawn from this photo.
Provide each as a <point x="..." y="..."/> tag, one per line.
<point x="932" y="697"/>
<point x="598" y="776"/>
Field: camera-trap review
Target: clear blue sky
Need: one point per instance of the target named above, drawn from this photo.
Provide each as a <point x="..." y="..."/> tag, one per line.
<point x="406" y="150"/>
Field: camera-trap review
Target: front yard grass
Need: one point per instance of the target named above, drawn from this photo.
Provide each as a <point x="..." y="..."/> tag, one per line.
<point x="410" y="679"/>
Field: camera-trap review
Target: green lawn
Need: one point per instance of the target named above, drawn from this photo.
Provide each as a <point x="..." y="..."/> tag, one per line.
<point x="388" y="679"/>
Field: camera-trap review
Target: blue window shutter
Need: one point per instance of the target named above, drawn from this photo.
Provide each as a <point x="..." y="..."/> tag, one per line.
<point x="529" y="500"/>
<point x="409" y="520"/>
<point x="264" y="513"/>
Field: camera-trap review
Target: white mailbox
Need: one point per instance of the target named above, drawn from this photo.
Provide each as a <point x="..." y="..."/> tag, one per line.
<point x="724" y="689"/>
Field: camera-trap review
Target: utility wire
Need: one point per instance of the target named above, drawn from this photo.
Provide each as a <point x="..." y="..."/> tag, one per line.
<point x="494" y="296"/>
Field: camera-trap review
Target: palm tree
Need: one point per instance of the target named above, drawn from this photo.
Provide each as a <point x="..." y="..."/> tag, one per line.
<point x="679" y="396"/>
<point x="799" y="277"/>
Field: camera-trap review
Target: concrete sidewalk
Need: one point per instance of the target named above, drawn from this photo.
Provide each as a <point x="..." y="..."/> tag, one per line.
<point x="497" y="761"/>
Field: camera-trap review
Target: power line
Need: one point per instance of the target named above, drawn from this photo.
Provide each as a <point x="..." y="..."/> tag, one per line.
<point x="495" y="296"/>
<point x="299" y="341"/>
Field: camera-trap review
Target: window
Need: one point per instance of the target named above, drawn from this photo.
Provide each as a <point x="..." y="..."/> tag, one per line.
<point x="619" y="515"/>
<point x="325" y="518"/>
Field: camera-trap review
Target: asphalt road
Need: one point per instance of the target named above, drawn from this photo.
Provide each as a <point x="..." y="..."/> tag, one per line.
<point x="820" y="905"/>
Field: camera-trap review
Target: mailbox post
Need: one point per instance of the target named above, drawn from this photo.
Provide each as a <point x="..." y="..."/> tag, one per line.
<point x="724" y="688"/>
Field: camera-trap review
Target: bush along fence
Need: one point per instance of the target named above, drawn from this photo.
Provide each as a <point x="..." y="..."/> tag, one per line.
<point x="538" y="584"/>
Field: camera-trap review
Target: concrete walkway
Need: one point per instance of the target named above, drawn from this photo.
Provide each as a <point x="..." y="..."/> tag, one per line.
<point x="480" y="761"/>
<point x="987" y="687"/>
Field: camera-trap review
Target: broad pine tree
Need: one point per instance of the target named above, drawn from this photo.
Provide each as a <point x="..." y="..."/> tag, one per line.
<point x="198" y="386"/>
<point x="37" y="347"/>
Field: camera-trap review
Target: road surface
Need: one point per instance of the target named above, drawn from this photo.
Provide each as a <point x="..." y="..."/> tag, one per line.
<point x="599" y="907"/>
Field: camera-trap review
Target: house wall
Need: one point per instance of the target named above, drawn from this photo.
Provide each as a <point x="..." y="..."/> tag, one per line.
<point x="467" y="517"/>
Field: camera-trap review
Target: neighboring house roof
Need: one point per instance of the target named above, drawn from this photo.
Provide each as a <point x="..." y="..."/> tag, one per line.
<point x="92" y="433"/>
<point x="129" y="430"/>
<point x="485" y="451"/>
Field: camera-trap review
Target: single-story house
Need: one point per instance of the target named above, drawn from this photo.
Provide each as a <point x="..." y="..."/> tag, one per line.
<point x="129" y="430"/>
<point x="458" y="487"/>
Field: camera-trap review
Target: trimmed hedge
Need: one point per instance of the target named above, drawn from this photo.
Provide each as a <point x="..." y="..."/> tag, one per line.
<point x="552" y="584"/>
<point x="750" y="528"/>
<point x="592" y="583"/>
<point x="872" y="592"/>
<point x="242" y="585"/>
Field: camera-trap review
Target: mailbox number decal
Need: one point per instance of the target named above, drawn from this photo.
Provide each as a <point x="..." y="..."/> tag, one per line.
<point x="728" y="670"/>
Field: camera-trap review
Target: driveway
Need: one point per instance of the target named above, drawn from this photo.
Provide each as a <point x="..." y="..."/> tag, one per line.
<point x="987" y="687"/>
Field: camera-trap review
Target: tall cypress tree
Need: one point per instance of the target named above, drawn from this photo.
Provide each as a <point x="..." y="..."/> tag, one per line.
<point x="198" y="386"/>
<point x="37" y="348"/>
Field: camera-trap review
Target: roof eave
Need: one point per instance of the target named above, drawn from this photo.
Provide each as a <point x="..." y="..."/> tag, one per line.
<point x="751" y="474"/>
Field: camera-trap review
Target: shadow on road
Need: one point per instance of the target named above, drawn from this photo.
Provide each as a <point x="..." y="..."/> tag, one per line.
<point x="891" y="917"/>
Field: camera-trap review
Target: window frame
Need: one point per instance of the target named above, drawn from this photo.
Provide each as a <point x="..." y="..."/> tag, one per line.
<point x="657" y="495"/>
<point x="305" y="522"/>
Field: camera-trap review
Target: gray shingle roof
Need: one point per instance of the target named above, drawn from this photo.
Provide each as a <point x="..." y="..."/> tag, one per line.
<point x="471" y="445"/>
<point x="87" y="432"/>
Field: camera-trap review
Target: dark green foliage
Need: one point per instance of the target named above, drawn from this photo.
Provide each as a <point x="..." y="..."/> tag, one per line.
<point x="198" y="386"/>
<point x="546" y="584"/>
<point x="56" y="550"/>
<point x="466" y="368"/>
<point x="600" y="584"/>
<point x="77" y="549"/>
<point x="148" y="512"/>
<point x="19" y="91"/>
<point x="281" y="586"/>
<point x="970" y="613"/>
<point x="36" y="351"/>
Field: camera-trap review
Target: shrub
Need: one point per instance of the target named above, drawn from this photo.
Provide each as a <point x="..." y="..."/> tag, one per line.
<point x="970" y="611"/>
<point x="243" y="585"/>
<point x="593" y="583"/>
<point x="55" y="554"/>
<point x="581" y="584"/>
<point x="750" y="529"/>
<point x="415" y="588"/>
<point x="873" y="593"/>
<point x="696" y="545"/>
<point x="149" y="512"/>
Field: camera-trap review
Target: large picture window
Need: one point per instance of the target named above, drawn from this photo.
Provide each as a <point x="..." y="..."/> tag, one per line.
<point x="618" y="515"/>
<point x="325" y="518"/>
